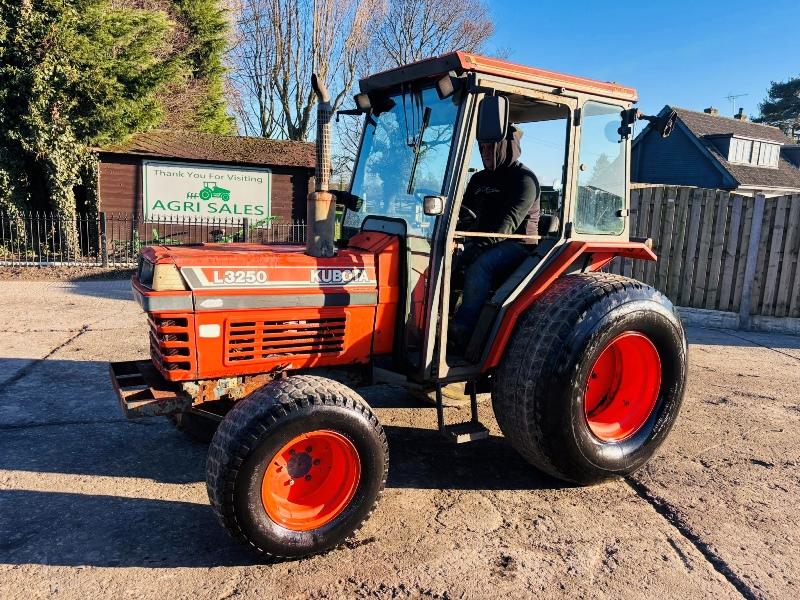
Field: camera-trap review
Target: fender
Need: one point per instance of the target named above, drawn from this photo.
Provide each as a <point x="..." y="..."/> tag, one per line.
<point x="599" y="254"/>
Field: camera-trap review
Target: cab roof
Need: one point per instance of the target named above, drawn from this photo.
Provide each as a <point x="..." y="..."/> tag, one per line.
<point x="464" y="62"/>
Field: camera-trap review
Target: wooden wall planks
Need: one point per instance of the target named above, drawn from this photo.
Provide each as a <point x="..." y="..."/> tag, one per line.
<point x="702" y="238"/>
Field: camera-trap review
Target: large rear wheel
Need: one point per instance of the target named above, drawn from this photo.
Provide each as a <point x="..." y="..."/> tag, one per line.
<point x="297" y="467"/>
<point x="593" y="378"/>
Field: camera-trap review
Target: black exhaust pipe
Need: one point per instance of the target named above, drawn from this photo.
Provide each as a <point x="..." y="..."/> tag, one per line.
<point x="321" y="204"/>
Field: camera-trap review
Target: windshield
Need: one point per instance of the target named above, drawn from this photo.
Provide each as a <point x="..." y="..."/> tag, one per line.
<point x="403" y="158"/>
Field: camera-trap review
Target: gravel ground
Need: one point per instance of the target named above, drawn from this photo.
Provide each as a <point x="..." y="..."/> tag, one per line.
<point x="74" y="273"/>
<point x="93" y="505"/>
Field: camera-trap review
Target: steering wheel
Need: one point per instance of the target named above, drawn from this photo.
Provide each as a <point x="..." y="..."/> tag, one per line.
<point x="466" y="218"/>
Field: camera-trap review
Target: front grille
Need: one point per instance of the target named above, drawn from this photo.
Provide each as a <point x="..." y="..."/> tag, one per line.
<point x="254" y="341"/>
<point x="170" y="343"/>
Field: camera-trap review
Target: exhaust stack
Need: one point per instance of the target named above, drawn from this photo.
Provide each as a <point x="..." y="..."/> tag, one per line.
<point x="321" y="204"/>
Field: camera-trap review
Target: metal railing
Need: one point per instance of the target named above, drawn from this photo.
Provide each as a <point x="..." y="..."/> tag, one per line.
<point x="105" y="239"/>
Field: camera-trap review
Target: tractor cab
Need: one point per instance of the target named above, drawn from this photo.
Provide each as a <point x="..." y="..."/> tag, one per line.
<point x="418" y="152"/>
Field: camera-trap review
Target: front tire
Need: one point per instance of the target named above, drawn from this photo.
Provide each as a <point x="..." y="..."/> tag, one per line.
<point x="593" y="378"/>
<point x="297" y="467"/>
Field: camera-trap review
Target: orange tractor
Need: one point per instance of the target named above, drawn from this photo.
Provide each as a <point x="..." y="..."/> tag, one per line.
<point x="253" y="346"/>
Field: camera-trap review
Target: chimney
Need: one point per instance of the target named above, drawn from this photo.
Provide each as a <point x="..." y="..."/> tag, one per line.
<point x="740" y="116"/>
<point x="711" y="111"/>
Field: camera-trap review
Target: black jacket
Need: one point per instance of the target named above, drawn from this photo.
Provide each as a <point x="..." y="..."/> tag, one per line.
<point x="505" y="200"/>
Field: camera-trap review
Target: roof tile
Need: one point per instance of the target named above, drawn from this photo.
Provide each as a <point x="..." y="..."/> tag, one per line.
<point x="193" y="145"/>
<point x="705" y="124"/>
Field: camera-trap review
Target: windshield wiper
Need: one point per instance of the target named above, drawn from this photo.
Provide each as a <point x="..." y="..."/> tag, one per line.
<point x="426" y="118"/>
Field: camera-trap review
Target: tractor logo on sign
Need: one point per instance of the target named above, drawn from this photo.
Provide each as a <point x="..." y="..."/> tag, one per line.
<point x="210" y="190"/>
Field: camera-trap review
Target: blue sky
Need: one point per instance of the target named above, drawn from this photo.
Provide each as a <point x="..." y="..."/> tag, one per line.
<point x="689" y="54"/>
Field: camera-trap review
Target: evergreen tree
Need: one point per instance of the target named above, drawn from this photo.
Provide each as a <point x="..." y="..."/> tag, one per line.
<point x="781" y="107"/>
<point x="207" y="27"/>
<point x="73" y="74"/>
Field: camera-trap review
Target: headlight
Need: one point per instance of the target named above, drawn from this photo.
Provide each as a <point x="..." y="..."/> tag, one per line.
<point x="166" y="277"/>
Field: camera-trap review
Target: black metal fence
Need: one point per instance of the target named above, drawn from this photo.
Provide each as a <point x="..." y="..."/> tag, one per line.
<point x="106" y="239"/>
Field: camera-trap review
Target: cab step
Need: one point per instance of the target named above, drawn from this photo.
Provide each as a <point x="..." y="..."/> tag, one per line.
<point x="461" y="433"/>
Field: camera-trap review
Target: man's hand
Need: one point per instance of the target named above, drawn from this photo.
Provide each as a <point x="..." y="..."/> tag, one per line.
<point x="471" y="251"/>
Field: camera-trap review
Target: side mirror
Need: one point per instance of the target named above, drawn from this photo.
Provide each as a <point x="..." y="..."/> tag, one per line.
<point x="492" y="119"/>
<point x="667" y="123"/>
<point x="663" y="125"/>
<point x="433" y="206"/>
<point x="348" y="200"/>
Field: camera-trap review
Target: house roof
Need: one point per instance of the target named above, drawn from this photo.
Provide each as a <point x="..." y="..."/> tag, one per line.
<point x="702" y="123"/>
<point x="209" y="147"/>
<point x="704" y="126"/>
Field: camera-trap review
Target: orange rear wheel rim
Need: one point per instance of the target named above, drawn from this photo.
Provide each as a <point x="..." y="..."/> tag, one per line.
<point x="622" y="387"/>
<point x="311" y="480"/>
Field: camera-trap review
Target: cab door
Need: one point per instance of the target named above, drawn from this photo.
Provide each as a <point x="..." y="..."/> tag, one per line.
<point x="549" y="124"/>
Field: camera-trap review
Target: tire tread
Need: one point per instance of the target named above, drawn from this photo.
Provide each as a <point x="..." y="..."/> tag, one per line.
<point x="529" y="360"/>
<point x="250" y="418"/>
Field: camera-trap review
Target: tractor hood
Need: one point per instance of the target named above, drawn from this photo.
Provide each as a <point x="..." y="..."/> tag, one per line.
<point x="228" y="276"/>
<point x="248" y="266"/>
<point x="221" y="254"/>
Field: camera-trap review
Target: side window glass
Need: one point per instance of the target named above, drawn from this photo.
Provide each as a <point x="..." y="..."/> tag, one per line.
<point x="601" y="174"/>
<point x="543" y="146"/>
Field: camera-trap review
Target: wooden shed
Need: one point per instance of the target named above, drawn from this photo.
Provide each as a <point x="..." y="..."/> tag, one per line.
<point x="187" y="173"/>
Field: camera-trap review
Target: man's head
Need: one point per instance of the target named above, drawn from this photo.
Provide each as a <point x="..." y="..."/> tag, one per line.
<point x="500" y="154"/>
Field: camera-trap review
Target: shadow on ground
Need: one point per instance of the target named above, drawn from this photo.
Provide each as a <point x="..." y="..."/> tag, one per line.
<point x="62" y="528"/>
<point x="112" y="289"/>
<point x="152" y="449"/>
<point x="63" y="417"/>
<point x="745" y="339"/>
<point x="56" y="528"/>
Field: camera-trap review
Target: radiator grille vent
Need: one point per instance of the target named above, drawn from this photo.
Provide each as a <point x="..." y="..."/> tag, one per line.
<point x="253" y="341"/>
<point x="170" y="346"/>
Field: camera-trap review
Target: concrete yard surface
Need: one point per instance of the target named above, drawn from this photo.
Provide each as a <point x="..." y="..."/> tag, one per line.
<point x="93" y="505"/>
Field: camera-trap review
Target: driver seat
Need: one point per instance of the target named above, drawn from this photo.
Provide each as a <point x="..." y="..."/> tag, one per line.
<point x="548" y="225"/>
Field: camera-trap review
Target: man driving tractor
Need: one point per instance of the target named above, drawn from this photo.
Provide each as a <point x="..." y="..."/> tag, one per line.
<point x="504" y="198"/>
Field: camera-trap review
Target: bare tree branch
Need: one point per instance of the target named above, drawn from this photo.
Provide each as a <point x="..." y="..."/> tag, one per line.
<point x="277" y="45"/>
<point x="413" y="30"/>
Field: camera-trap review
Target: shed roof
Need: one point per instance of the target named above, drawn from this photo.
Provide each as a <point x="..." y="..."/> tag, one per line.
<point x="209" y="147"/>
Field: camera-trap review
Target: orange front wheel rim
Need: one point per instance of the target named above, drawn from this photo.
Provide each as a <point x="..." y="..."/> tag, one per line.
<point x="311" y="480"/>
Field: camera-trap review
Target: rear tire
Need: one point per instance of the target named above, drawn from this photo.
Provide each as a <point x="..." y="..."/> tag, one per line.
<point x="589" y="330"/>
<point x="297" y="467"/>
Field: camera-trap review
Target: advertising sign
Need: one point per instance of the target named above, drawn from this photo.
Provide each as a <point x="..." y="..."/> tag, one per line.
<point x="190" y="190"/>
